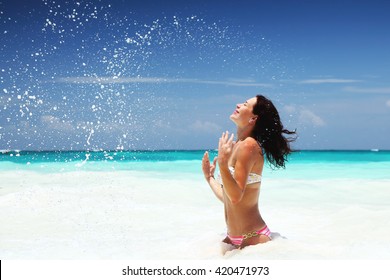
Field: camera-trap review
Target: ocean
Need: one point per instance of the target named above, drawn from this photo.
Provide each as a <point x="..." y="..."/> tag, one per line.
<point x="155" y="205"/>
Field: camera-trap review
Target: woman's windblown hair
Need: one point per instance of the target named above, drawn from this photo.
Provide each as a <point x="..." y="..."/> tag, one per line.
<point x="269" y="132"/>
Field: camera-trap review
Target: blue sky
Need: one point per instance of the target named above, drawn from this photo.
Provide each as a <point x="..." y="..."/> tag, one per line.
<point x="167" y="74"/>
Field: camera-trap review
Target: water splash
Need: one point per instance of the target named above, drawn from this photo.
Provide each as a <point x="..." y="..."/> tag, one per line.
<point x="88" y="78"/>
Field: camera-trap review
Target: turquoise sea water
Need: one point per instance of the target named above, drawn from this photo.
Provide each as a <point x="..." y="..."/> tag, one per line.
<point x="301" y="164"/>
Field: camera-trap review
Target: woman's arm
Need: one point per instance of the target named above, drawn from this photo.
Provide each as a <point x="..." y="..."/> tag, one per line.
<point x="234" y="186"/>
<point x="208" y="172"/>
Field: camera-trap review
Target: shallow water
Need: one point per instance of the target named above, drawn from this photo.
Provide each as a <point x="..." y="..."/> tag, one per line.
<point x="157" y="206"/>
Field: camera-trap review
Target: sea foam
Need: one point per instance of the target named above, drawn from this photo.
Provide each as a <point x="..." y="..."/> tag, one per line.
<point x="147" y="215"/>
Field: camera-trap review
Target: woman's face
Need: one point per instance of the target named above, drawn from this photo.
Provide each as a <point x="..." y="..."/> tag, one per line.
<point x="243" y="114"/>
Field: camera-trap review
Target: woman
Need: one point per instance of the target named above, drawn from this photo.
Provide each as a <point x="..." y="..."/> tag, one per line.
<point x="259" y="133"/>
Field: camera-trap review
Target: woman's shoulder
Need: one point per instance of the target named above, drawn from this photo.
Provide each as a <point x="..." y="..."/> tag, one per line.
<point x="249" y="144"/>
<point x="250" y="141"/>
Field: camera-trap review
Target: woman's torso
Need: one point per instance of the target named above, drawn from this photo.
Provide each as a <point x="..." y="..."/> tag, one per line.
<point x="244" y="216"/>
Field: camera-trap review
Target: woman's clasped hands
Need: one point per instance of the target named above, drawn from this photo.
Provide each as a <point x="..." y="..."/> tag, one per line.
<point x="225" y="148"/>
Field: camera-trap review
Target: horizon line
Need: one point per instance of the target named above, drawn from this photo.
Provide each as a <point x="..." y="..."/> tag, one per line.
<point x="6" y="151"/>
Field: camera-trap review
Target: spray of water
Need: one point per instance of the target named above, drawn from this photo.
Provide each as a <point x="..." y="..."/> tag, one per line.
<point x="76" y="75"/>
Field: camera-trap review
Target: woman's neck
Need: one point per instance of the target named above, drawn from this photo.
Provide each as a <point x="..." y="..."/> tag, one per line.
<point x="243" y="132"/>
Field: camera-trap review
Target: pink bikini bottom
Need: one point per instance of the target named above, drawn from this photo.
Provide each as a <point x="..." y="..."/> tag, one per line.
<point x="237" y="240"/>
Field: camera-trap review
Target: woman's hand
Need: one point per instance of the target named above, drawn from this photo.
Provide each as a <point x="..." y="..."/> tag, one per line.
<point x="207" y="168"/>
<point x="225" y="148"/>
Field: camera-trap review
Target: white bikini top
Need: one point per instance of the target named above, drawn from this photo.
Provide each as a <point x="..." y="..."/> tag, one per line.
<point x="252" y="177"/>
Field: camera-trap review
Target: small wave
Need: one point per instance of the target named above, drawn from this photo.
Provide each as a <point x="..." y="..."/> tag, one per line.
<point x="84" y="161"/>
<point x="10" y="151"/>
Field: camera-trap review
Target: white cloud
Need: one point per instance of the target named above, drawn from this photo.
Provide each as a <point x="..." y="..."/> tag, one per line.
<point x="304" y="115"/>
<point x="307" y="116"/>
<point x="388" y="103"/>
<point x="112" y="80"/>
<point x="289" y="109"/>
<point x="162" y="124"/>
<point x="158" y="80"/>
<point x="238" y="83"/>
<point x="55" y="123"/>
<point x="385" y="90"/>
<point x="205" y="126"/>
<point x="328" y="81"/>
